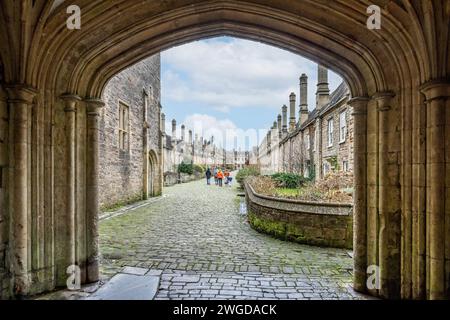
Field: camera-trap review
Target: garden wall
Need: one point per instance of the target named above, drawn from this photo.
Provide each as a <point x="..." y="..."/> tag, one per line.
<point x="312" y="223"/>
<point x="172" y="178"/>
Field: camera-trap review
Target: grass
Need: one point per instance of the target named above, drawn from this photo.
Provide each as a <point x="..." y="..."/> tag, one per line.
<point x="285" y="192"/>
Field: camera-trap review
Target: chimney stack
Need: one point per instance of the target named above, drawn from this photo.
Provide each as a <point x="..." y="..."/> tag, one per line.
<point x="174" y="130"/>
<point x="183" y="132"/>
<point x="280" y="126"/>
<point x="284" y="112"/>
<point x="303" y="116"/>
<point x="292" y="121"/>
<point x="323" y="91"/>
<point x="163" y="124"/>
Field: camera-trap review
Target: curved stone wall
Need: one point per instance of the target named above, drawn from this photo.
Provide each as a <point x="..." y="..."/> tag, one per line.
<point x="313" y="223"/>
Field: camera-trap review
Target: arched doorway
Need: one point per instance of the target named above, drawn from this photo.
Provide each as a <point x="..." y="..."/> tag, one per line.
<point x="151" y="175"/>
<point x="398" y="76"/>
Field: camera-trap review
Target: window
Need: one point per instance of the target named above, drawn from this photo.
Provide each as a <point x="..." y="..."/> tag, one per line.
<point x="342" y="127"/>
<point x="123" y="126"/>
<point x="330" y="132"/>
<point x="307" y="142"/>
<point x="345" y="166"/>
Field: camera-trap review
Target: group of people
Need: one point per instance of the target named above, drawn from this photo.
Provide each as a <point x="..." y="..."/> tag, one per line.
<point x="219" y="177"/>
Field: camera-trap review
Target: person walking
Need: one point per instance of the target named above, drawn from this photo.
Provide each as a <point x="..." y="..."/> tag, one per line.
<point x="220" y="177"/>
<point x="208" y="176"/>
<point x="227" y="176"/>
<point x="230" y="179"/>
<point x="216" y="180"/>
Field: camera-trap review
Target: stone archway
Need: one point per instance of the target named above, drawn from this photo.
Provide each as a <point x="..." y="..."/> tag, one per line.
<point x="398" y="76"/>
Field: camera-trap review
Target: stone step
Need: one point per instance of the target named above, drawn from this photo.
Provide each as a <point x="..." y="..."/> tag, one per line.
<point x="128" y="287"/>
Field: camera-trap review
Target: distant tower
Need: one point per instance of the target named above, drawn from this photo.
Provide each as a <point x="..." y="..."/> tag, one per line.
<point x="284" y="112"/>
<point x="190" y="136"/>
<point x="323" y="91"/>
<point x="303" y="113"/>
<point x="292" y="121"/>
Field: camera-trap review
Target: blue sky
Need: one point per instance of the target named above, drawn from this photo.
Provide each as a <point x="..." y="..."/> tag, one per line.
<point x="229" y="84"/>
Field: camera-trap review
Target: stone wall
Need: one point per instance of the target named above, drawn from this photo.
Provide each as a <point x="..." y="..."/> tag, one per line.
<point x="340" y="151"/>
<point x="321" y="224"/>
<point x="4" y="279"/>
<point x="122" y="170"/>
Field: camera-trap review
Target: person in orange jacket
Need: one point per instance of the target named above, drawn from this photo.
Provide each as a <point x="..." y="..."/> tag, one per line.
<point x="220" y="177"/>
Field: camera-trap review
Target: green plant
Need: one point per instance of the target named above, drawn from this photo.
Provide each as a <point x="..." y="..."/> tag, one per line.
<point x="185" y="168"/>
<point x="245" y="173"/>
<point x="289" y="180"/>
<point x="198" y="169"/>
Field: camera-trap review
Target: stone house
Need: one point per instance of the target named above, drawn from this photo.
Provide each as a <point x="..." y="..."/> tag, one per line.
<point x="320" y="141"/>
<point x="130" y="135"/>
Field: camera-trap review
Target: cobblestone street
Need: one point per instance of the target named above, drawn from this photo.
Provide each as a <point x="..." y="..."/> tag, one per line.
<point x="195" y="238"/>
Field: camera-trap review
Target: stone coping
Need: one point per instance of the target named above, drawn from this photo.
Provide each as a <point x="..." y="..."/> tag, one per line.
<point x="291" y="205"/>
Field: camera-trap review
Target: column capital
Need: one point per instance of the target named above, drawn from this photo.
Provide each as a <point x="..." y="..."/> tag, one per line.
<point x="94" y="105"/>
<point x="384" y="100"/>
<point x="20" y="93"/>
<point x="359" y="105"/>
<point x="436" y="89"/>
<point x="71" y="101"/>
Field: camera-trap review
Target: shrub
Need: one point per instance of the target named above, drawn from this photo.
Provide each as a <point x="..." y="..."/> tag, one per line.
<point x="245" y="173"/>
<point x="198" y="169"/>
<point x="262" y="184"/>
<point x="289" y="180"/>
<point x="185" y="168"/>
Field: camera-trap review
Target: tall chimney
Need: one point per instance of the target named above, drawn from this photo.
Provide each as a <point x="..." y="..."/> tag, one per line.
<point x="163" y="124"/>
<point x="280" y="126"/>
<point x="190" y="136"/>
<point x="183" y="132"/>
<point x="303" y="115"/>
<point x="174" y="130"/>
<point x="323" y="91"/>
<point x="292" y="112"/>
<point x="284" y="112"/>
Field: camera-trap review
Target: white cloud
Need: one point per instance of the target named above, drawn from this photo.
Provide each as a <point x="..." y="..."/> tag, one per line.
<point x="235" y="74"/>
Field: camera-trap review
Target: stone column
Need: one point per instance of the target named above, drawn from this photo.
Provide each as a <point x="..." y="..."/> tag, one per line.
<point x="292" y="121"/>
<point x="284" y="112"/>
<point x="437" y="185"/>
<point x="70" y="110"/>
<point x="92" y="158"/>
<point x="183" y="132"/>
<point x="359" y="106"/>
<point x="389" y="197"/>
<point x="20" y="99"/>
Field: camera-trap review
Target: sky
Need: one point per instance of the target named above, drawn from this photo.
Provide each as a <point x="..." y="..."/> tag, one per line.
<point x="228" y="86"/>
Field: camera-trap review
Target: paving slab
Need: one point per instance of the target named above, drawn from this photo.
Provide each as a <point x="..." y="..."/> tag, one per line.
<point x="128" y="287"/>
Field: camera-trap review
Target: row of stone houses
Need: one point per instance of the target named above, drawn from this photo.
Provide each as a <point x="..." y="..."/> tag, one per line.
<point x="318" y="142"/>
<point x="195" y="150"/>
<point x="136" y="156"/>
